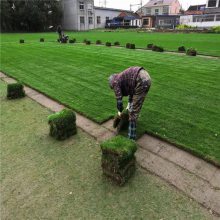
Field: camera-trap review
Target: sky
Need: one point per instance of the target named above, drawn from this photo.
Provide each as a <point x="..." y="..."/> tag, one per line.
<point x="125" y="4"/>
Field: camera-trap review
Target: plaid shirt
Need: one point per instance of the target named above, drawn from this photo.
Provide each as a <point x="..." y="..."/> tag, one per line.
<point x="124" y="83"/>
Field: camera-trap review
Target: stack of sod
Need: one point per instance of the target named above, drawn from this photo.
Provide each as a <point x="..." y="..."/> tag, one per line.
<point x="72" y="41"/>
<point x="121" y="122"/>
<point x="108" y="44"/>
<point x="98" y="42"/>
<point x="149" y="46"/>
<point x="182" y="49"/>
<point x="118" y="160"/>
<point x="88" y="42"/>
<point x="191" y="52"/>
<point x="41" y="39"/>
<point x="62" y="124"/>
<point x="132" y="46"/>
<point x="21" y="41"/>
<point x="157" y="48"/>
<point x="15" y="90"/>
<point x="116" y="43"/>
<point x="128" y="45"/>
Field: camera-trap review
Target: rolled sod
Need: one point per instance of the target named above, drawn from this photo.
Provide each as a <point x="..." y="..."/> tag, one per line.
<point x="118" y="160"/>
<point x="62" y="124"/>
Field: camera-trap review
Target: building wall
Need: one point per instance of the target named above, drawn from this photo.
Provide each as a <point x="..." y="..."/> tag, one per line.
<point x="175" y="8"/>
<point x="72" y="14"/>
<point x="188" y="20"/>
<point x="103" y="13"/>
<point x="217" y="3"/>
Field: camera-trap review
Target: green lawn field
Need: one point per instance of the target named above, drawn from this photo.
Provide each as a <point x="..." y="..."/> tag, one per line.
<point x="208" y="44"/>
<point x="183" y="105"/>
<point x="42" y="178"/>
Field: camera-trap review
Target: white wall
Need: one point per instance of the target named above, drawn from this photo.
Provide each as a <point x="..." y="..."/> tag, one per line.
<point x="188" y="20"/>
<point x="103" y="14"/>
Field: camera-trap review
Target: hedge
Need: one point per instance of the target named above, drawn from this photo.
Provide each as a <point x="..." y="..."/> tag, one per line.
<point x="157" y="48"/>
<point x="21" y="41"/>
<point x="41" y="39"/>
<point x="182" y="49"/>
<point x="108" y="44"/>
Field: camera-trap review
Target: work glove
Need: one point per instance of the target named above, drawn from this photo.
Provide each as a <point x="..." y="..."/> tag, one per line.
<point x="129" y="107"/>
<point x="119" y="114"/>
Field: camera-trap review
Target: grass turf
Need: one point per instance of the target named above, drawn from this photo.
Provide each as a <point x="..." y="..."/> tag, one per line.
<point x="208" y="44"/>
<point x="42" y="178"/>
<point x="182" y="105"/>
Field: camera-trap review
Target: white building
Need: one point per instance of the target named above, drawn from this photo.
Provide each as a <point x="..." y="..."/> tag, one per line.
<point x="82" y="15"/>
<point x="209" y="18"/>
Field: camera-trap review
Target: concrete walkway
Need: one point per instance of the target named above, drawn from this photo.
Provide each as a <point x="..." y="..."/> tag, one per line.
<point x="195" y="177"/>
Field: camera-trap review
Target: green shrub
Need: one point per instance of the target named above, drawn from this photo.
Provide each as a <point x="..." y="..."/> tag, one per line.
<point x="191" y="52"/>
<point x="128" y="45"/>
<point x="41" y="39"/>
<point x="62" y="124"/>
<point x="84" y="41"/>
<point x="108" y="44"/>
<point x="182" y="49"/>
<point x="98" y="42"/>
<point x="118" y="160"/>
<point x="216" y="29"/>
<point x="157" y="48"/>
<point x="15" y="90"/>
<point x="21" y="41"/>
<point x="149" y="46"/>
<point x="117" y="43"/>
<point x="72" y="41"/>
<point x="184" y="27"/>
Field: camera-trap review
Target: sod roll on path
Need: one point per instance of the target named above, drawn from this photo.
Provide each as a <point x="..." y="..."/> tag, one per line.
<point x="182" y="105"/>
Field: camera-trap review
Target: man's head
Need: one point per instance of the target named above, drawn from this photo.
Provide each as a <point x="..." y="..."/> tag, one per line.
<point x="111" y="80"/>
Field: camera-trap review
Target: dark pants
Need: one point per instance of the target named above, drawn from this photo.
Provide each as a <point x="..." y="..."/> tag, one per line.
<point x="141" y="90"/>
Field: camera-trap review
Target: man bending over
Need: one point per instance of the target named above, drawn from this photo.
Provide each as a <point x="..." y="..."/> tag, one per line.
<point x="135" y="83"/>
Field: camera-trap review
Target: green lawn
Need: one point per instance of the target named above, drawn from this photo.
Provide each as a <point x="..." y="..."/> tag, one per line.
<point x="208" y="44"/>
<point x="183" y="105"/>
<point x="42" y="178"/>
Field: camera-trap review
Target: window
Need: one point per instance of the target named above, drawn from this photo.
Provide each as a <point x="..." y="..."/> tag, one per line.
<point x="82" y="20"/>
<point x="166" y="10"/>
<point x="81" y="5"/>
<point x="107" y="19"/>
<point x="165" y="22"/>
<point x="148" y="11"/>
<point x="212" y="3"/>
<point x="217" y="17"/>
<point x="146" y="21"/>
<point x="156" y="11"/>
<point x="90" y="20"/>
<point x="207" y="18"/>
<point x="98" y="20"/>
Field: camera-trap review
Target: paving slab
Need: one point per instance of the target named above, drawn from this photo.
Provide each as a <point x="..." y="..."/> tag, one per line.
<point x="215" y="180"/>
<point x="150" y="143"/>
<point x="9" y="80"/>
<point x="109" y="125"/>
<point x="187" y="161"/>
<point x="192" y="185"/>
<point x="2" y="75"/>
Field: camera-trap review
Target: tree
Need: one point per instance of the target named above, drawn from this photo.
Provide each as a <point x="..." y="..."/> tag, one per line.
<point x="30" y="15"/>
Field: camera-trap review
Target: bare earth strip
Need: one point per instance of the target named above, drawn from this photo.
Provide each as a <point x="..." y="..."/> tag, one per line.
<point x="195" y="177"/>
